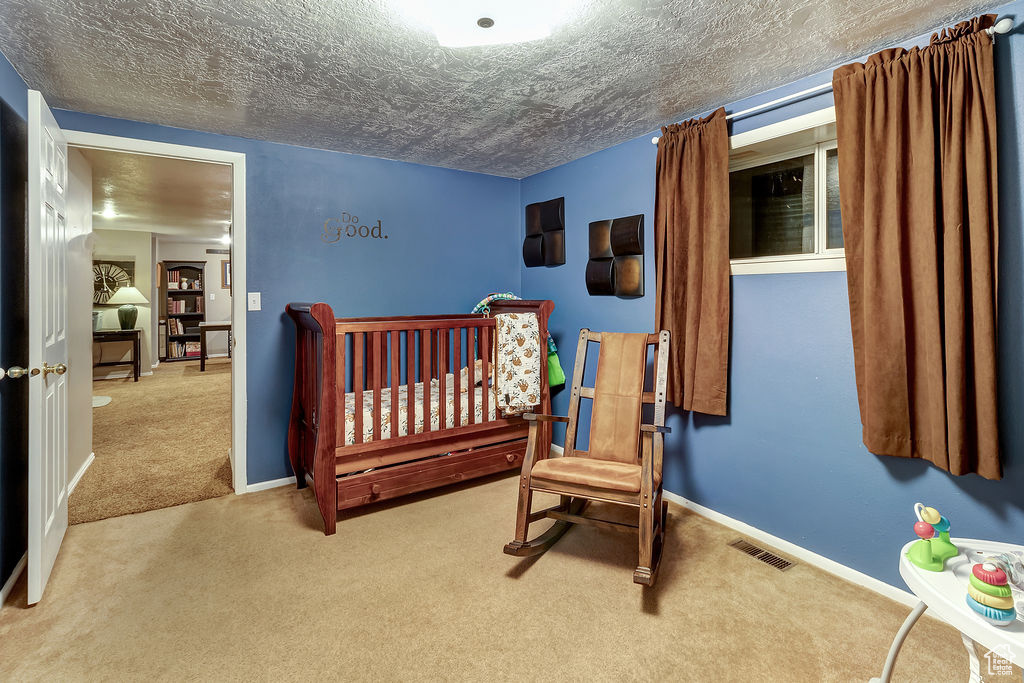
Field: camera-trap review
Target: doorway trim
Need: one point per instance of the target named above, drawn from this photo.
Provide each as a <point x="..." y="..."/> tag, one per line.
<point x="236" y="160"/>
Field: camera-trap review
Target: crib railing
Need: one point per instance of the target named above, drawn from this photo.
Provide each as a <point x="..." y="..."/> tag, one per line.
<point x="380" y="356"/>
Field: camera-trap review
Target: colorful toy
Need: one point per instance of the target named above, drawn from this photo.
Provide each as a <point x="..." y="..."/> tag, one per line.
<point x="989" y="595"/>
<point x="931" y="553"/>
<point x="1012" y="565"/>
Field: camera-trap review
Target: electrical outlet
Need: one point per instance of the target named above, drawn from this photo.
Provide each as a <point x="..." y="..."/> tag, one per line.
<point x="254" y="301"/>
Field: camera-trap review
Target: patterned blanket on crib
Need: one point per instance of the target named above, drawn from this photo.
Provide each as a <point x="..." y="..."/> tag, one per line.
<point x="518" y="358"/>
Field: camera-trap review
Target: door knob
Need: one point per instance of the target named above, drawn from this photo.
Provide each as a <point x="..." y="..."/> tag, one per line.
<point x="15" y="371"/>
<point x="58" y="369"/>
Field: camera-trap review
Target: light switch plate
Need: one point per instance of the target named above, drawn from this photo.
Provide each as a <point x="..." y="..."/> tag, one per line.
<point x="254" y="301"/>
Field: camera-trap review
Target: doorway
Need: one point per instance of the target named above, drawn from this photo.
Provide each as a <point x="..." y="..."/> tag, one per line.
<point x="156" y="264"/>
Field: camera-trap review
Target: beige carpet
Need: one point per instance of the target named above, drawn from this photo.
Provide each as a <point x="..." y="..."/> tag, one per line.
<point x="161" y="441"/>
<point x="249" y="588"/>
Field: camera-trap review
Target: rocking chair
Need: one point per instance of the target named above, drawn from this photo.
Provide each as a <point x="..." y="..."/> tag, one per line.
<point x="623" y="462"/>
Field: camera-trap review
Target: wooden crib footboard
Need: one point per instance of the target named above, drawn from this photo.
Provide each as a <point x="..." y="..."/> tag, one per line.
<point x="313" y="423"/>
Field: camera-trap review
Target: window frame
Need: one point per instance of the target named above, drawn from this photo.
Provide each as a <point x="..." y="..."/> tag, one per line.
<point x="822" y="259"/>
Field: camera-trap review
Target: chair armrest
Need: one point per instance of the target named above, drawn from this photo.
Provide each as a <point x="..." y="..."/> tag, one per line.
<point x="531" y="417"/>
<point x="655" y="429"/>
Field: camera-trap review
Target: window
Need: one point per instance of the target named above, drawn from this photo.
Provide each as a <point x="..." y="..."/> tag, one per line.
<point x="784" y="197"/>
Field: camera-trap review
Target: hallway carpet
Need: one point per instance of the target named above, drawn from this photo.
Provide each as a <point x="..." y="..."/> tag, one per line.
<point x="161" y="441"/>
<point x="248" y="588"/>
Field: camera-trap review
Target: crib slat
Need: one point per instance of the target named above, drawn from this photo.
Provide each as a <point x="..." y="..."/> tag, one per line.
<point x="339" y="387"/>
<point x="485" y="338"/>
<point x="471" y="384"/>
<point x="442" y="375"/>
<point x="457" y="339"/>
<point x="425" y="370"/>
<point x="410" y="382"/>
<point x="357" y="381"/>
<point x="378" y="381"/>
<point x="396" y="345"/>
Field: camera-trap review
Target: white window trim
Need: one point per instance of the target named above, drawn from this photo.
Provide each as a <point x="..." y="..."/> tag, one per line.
<point x="829" y="259"/>
<point x="822" y="117"/>
<point x="773" y="158"/>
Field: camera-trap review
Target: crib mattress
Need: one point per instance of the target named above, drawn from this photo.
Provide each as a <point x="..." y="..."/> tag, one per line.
<point x="403" y="413"/>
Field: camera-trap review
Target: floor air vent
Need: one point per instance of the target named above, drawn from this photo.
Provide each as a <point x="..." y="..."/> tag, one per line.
<point x="765" y="556"/>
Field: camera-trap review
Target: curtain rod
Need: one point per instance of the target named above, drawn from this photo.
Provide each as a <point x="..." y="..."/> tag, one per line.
<point x="1002" y="26"/>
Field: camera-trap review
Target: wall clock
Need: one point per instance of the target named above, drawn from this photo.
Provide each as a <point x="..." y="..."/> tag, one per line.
<point x="108" y="277"/>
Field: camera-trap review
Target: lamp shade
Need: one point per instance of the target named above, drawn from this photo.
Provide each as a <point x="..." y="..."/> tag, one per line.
<point x="127" y="295"/>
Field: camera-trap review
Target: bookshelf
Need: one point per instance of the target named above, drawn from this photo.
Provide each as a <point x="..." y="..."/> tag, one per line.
<point x="184" y="303"/>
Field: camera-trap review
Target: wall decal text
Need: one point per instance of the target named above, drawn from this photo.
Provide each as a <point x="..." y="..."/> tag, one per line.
<point x="347" y="225"/>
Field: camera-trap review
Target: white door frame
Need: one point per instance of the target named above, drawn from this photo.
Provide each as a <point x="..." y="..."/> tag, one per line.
<point x="236" y="160"/>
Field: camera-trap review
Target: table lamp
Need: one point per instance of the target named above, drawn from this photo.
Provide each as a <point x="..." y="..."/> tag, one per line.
<point x="127" y="313"/>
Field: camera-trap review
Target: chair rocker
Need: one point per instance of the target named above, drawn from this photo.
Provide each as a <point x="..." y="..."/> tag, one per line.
<point x="623" y="462"/>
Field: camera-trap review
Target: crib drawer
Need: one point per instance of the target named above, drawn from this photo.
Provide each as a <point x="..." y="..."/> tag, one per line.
<point x="391" y="482"/>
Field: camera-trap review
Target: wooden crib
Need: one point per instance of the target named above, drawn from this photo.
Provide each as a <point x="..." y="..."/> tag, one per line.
<point x="383" y="407"/>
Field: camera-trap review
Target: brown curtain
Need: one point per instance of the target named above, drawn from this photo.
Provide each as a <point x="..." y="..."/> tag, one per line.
<point x="917" y="188"/>
<point x="691" y="235"/>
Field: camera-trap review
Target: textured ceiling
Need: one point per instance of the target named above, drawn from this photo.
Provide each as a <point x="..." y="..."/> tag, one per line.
<point x="173" y="197"/>
<point x="353" y="76"/>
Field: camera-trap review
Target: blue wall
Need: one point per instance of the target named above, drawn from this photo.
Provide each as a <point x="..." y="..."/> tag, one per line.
<point x="789" y="458"/>
<point x="13" y="309"/>
<point x="13" y="90"/>
<point x="451" y="240"/>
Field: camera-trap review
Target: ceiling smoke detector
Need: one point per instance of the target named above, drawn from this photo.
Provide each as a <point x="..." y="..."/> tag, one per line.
<point x="485" y="22"/>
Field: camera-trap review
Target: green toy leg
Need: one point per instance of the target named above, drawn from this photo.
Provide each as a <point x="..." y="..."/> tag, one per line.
<point x="921" y="555"/>
<point x="943" y="548"/>
<point x="932" y="553"/>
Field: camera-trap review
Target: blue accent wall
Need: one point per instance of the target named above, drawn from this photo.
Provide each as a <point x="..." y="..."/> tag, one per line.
<point x="13" y="90"/>
<point x="13" y="309"/>
<point x="451" y="239"/>
<point x="789" y="459"/>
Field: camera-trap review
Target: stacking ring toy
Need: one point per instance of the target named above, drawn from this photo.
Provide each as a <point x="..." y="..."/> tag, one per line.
<point x="989" y="589"/>
<point x="1005" y="603"/>
<point x="999" y="617"/>
<point x="990" y="574"/>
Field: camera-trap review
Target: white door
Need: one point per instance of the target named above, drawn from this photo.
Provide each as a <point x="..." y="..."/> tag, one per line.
<point x="47" y="330"/>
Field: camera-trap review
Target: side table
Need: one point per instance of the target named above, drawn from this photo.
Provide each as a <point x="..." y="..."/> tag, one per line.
<point x="133" y="336"/>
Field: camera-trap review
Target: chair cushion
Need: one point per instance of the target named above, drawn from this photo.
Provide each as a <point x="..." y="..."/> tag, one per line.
<point x="618" y="397"/>
<point x="600" y="474"/>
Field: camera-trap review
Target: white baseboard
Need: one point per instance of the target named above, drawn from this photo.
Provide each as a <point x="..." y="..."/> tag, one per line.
<point x="9" y="584"/>
<point x="121" y="375"/>
<point x="272" y="484"/>
<point x="799" y="552"/>
<point x="81" y="471"/>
